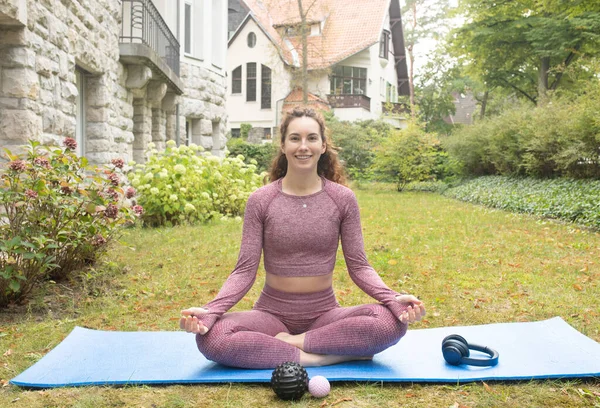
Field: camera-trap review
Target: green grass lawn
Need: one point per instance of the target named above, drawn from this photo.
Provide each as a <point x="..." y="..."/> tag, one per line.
<point x="471" y="265"/>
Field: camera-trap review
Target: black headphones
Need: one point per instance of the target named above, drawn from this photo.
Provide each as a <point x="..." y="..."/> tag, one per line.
<point x="456" y="351"/>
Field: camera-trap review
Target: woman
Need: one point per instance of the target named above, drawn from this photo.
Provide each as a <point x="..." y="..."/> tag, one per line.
<point x="297" y="221"/>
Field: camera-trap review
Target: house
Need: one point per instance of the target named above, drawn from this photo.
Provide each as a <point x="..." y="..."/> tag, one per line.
<point x="113" y="74"/>
<point x="355" y="61"/>
<point x="465" y="105"/>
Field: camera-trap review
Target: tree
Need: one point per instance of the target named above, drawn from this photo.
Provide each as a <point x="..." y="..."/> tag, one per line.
<point x="407" y="155"/>
<point x="422" y="19"/>
<point x="526" y="45"/>
<point x="296" y="31"/>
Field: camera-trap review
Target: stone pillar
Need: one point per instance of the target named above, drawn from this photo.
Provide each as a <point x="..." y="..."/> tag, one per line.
<point x="99" y="138"/>
<point x="169" y="106"/>
<point x="20" y="121"/>
<point x="142" y="129"/>
<point x="159" y="133"/>
<point x="206" y="132"/>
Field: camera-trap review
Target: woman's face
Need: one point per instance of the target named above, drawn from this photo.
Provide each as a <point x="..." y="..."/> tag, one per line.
<point x="303" y="145"/>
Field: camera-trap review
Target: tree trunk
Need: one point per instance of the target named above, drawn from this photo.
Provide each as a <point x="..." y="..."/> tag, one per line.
<point x="543" y="80"/>
<point x="484" y="104"/>
<point x="304" y="31"/>
<point x="411" y="61"/>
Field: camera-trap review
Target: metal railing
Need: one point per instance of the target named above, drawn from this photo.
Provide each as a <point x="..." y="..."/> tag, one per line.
<point x="350" y="101"/>
<point x="143" y="24"/>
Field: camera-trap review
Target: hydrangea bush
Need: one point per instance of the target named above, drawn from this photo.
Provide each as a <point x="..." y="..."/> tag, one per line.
<point x="180" y="186"/>
<point x="57" y="214"/>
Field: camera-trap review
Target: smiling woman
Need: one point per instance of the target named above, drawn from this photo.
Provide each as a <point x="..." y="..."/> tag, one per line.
<point x="296" y="222"/>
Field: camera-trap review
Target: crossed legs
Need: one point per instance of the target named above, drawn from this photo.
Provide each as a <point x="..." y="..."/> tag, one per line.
<point x="257" y="339"/>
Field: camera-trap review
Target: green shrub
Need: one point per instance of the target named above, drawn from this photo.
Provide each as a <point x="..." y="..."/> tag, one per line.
<point x="244" y="130"/>
<point x="56" y="216"/>
<point x="357" y="142"/>
<point x="558" y="139"/>
<point x="566" y="199"/>
<point x="261" y="153"/>
<point x="410" y="155"/>
<point x="178" y="185"/>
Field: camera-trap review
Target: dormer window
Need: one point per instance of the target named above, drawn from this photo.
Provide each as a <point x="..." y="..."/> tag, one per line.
<point x="384" y="44"/>
<point x="292" y="31"/>
<point x="315" y="29"/>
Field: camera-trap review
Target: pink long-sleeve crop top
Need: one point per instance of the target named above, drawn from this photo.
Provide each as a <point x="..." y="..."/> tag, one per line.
<point x="299" y="236"/>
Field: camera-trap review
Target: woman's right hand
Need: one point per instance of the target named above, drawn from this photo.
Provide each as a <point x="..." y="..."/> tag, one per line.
<point x="190" y="321"/>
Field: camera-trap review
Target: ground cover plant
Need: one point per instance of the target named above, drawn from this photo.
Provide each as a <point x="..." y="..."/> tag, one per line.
<point x="470" y="264"/>
<point x="576" y="201"/>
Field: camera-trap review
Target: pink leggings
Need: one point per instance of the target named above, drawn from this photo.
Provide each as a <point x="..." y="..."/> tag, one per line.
<point x="246" y="339"/>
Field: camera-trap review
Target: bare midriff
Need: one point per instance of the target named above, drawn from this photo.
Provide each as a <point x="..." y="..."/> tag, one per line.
<point x="299" y="284"/>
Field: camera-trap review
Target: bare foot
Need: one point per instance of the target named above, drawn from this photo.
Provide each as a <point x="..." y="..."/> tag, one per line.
<point x="295" y="340"/>
<point x="316" y="360"/>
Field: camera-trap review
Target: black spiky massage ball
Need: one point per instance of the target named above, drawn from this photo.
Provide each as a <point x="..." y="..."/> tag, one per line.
<point x="289" y="381"/>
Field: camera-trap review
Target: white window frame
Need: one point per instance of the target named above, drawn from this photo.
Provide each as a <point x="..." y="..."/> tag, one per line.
<point x="80" y="122"/>
<point x="187" y="4"/>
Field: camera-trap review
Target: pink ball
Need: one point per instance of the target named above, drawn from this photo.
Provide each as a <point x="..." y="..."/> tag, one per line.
<point x="318" y="386"/>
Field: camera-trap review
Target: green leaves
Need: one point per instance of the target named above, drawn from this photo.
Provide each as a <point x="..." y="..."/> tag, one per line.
<point x="570" y="200"/>
<point x="505" y="42"/>
<point x="179" y="186"/>
<point x="559" y="139"/>
<point x="50" y="225"/>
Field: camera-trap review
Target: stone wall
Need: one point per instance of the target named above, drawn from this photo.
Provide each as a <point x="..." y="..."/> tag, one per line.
<point x="126" y="106"/>
<point x="38" y="88"/>
<point x="203" y="104"/>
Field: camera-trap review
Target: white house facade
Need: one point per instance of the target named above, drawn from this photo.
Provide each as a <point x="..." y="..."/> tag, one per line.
<point x="257" y="79"/>
<point x="357" y="75"/>
<point x="113" y="74"/>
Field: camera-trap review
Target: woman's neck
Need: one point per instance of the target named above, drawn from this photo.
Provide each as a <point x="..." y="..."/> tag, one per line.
<point x="301" y="184"/>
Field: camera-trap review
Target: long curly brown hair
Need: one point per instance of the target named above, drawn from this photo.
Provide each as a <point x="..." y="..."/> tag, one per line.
<point x="329" y="165"/>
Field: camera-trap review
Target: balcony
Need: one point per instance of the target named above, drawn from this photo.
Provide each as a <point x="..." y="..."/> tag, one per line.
<point x="349" y="101"/>
<point x="395" y="109"/>
<point x="146" y="40"/>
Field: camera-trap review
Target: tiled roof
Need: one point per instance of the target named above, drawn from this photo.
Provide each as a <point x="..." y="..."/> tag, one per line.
<point x="295" y="98"/>
<point x="350" y="26"/>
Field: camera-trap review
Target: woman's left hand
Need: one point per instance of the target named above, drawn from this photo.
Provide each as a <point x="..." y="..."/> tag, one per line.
<point x="414" y="312"/>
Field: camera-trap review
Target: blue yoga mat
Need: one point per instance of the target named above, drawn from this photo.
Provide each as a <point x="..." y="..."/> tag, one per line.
<point x="544" y="349"/>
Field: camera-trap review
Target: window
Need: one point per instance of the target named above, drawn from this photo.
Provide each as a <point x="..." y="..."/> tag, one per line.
<point x="388" y="92"/>
<point x="80" y="112"/>
<point x="267" y="133"/>
<point x="187" y="28"/>
<point x="192" y="38"/>
<point x="384" y="44"/>
<point x="219" y="22"/>
<point x="235" y="132"/>
<point x="349" y="81"/>
<point x="251" y="82"/>
<point x="265" y="87"/>
<point x="292" y="31"/>
<point x="251" y="40"/>
<point x="236" y="80"/>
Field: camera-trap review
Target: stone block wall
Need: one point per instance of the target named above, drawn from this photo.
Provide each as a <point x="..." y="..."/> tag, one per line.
<point x="204" y="103"/>
<point x="38" y="89"/>
<point x="126" y="106"/>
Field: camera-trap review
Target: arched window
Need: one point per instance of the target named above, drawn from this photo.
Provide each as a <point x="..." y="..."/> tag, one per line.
<point x="265" y="87"/>
<point x="251" y="40"/>
<point x="251" y="82"/>
<point x="236" y="80"/>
